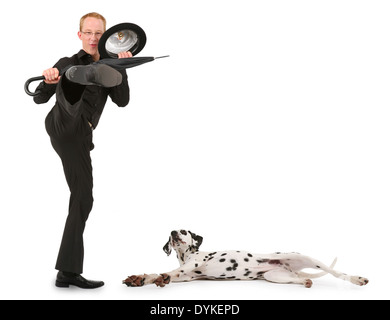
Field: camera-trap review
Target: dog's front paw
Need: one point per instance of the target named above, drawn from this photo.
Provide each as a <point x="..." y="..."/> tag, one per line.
<point x="162" y="280"/>
<point x="134" y="281"/>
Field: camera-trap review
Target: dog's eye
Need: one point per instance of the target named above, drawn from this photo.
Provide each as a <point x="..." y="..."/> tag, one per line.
<point x="183" y="232"/>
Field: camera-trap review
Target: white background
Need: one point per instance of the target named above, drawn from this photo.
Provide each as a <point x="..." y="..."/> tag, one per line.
<point x="266" y="130"/>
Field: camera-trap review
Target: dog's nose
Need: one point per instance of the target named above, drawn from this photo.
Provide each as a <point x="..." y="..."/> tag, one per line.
<point x="174" y="233"/>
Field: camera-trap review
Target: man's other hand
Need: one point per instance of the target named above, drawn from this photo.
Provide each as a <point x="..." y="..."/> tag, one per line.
<point x="125" y="54"/>
<point x="52" y="76"/>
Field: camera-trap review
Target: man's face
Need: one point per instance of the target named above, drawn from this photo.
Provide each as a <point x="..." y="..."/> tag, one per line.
<point x="90" y="35"/>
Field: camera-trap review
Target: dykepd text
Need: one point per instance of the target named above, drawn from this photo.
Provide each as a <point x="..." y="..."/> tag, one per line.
<point x="216" y="309"/>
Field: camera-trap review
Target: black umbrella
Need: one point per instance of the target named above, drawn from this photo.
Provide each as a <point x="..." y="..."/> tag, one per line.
<point x="120" y="38"/>
<point x="126" y="63"/>
<point x="118" y="64"/>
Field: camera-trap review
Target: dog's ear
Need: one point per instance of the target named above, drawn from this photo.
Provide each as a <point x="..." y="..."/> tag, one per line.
<point x="167" y="248"/>
<point x="196" y="240"/>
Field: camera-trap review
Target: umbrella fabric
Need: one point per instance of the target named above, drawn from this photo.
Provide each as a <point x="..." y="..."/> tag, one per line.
<point x="125" y="63"/>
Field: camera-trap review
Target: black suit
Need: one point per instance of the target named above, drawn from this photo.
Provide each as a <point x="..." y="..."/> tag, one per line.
<point x="68" y="125"/>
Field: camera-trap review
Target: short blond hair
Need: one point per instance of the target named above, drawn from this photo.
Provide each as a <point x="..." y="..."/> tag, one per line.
<point x="92" y="15"/>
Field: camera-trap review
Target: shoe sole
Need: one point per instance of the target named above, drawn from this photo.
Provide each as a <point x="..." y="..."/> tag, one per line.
<point x="62" y="284"/>
<point x="107" y="76"/>
<point x="98" y="74"/>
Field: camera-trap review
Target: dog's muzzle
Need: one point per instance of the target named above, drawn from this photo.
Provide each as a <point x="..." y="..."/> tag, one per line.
<point x="175" y="238"/>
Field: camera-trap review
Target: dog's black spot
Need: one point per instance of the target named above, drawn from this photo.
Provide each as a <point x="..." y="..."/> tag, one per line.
<point x="210" y="258"/>
<point x="211" y="254"/>
<point x="229" y="269"/>
<point x="250" y="255"/>
<point x="246" y="260"/>
<point x="233" y="261"/>
<point x="196" y="265"/>
<point x="223" y="275"/>
<point x="198" y="272"/>
<point x="232" y="277"/>
<point x="223" y="254"/>
<point x="318" y="267"/>
<point x="274" y="261"/>
<point x="222" y="260"/>
<point x="247" y="273"/>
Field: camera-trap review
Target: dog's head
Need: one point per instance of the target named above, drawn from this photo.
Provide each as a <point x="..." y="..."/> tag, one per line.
<point x="184" y="241"/>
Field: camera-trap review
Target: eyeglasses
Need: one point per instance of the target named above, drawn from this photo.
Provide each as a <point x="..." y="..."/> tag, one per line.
<point x="89" y="34"/>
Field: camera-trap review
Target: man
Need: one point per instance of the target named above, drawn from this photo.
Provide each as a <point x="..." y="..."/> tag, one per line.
<point x="81" y="94"/>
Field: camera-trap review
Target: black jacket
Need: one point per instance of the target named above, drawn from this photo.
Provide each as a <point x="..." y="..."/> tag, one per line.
<point x="94" y="97"/>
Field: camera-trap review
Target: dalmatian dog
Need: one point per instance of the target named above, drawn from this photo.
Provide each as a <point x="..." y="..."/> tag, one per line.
<point x="235" y="265"/>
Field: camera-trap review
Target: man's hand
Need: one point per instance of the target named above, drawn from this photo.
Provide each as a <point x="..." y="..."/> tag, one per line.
<point x="125" y="54"/>
<point x="52" y="76"/>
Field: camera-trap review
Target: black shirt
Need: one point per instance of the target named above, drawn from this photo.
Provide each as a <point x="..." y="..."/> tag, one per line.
<point x="94" y="97"/>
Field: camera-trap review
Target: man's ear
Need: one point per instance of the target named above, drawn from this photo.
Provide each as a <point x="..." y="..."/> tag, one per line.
<point x="79" y="34"/>
<point x="167" y="248"/>
<point x="196" y="240"/>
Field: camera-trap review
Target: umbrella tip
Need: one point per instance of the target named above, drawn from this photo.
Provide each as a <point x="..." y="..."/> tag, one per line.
<point x="161" y="57"/>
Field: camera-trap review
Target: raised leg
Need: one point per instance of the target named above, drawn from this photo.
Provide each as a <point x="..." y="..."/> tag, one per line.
<point x="303" y="262"/>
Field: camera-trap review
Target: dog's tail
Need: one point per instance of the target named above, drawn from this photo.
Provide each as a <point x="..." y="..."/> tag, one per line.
<point x="317" y="275"/>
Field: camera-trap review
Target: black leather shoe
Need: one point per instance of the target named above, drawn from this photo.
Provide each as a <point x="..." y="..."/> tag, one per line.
<point x="94" y="74"/>
<point x="65" y="279"/>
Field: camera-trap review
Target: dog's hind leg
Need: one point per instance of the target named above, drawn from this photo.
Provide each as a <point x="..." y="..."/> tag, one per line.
<point x="316" y="275"/>
<point x="307" y="262"/>
<point x="286" y="276"/>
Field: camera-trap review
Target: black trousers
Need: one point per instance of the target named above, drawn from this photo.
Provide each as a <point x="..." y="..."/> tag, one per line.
<point x="71" y="137"/>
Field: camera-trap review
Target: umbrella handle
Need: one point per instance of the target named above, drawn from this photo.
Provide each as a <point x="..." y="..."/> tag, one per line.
<point x="32" y="94"/>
